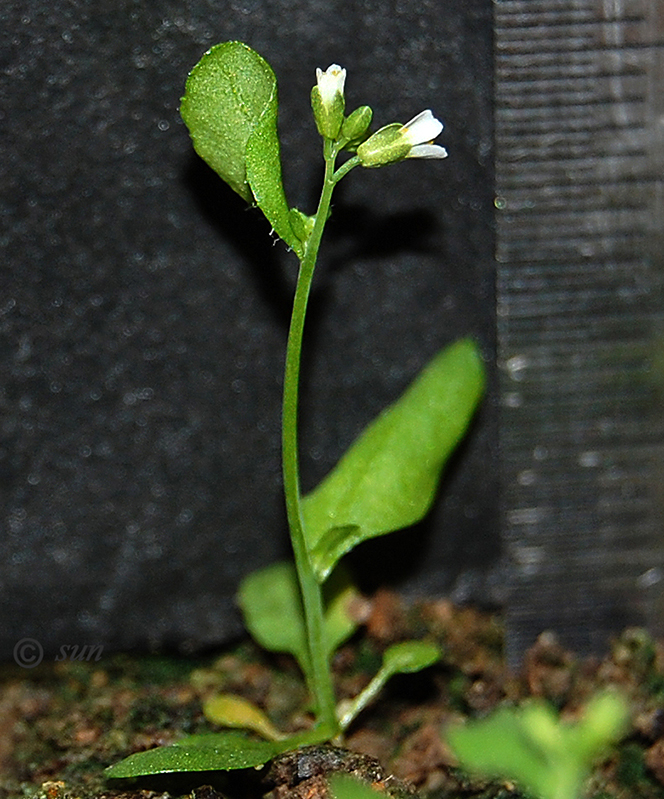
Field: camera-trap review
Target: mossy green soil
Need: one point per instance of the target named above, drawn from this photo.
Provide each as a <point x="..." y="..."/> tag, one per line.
<point x="62" y="723"/>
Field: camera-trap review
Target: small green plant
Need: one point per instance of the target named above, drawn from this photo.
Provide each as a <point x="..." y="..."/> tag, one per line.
<point x="386" y="480"/>
<point x="549" y="758"/>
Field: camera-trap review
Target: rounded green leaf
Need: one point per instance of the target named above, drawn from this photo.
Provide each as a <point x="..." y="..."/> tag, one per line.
<point x="604" y="721"/>
<point x="226" y="94"/>
<point x="230" y="108"/>
<point x="272" y="608"/>
<point x="410" y="656"/>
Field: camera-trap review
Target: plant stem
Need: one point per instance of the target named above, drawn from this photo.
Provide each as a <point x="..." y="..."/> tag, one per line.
<point x="319" y="675"/>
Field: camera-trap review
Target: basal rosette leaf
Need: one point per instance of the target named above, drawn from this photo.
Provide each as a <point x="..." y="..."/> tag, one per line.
<point x="231" y="710"/>
<point x="388" y="478"/>
<point x="230" y="108"/>
<point x="215" y="752"/>
<point x="222" y="751"/>
<point x="403" y="658"/>
<point x="272" y="609"/>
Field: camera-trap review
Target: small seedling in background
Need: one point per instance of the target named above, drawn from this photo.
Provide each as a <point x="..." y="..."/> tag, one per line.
<point x="548" y="758"/>
<point x="343" y="786"/>
<point x="386" y="480"/>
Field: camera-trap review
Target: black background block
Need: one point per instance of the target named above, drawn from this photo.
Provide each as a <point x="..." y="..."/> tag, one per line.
<point x="144" y="308"/>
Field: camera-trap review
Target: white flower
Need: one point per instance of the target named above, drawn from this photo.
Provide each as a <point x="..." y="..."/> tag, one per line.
<point x="395" y="142"/>
<point x="420" y="132"/>
<point x="330" y="83"/>
<point x="328" y="102"/>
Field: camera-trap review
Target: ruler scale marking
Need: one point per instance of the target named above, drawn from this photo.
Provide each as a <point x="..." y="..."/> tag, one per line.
<point x="580" y="313"/>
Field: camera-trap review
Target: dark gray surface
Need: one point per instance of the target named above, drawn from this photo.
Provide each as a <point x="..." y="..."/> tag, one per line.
<point x="143" y="309"/>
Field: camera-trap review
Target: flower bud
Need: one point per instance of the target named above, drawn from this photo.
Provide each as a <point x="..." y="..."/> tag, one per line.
<point x="301" y="223"/>
<point x="386" y="146"/>
<point x="357" y="124"/>
<point x="328" y="102"/>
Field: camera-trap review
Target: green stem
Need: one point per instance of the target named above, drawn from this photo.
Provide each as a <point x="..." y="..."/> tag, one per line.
<point x="354" y="707"/>
<point x="319" y="675"/>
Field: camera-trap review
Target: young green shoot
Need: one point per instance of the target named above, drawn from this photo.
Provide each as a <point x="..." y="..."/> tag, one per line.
<point x="548" y="758"/>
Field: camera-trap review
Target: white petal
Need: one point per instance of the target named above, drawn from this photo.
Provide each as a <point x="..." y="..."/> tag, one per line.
<point x="330" y="83"/>
<point x="427" y="151"/>
<point x="422" y="128"/>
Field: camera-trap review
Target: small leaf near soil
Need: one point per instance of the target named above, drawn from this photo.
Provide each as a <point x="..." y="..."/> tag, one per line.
<point x="230" y="710"/>
<point x="343" y="786"/>
<point x="403" y="658"/>
<point x="409" y="656"/>
<point x="269" y="596"/>
<point x="214" y="752"/>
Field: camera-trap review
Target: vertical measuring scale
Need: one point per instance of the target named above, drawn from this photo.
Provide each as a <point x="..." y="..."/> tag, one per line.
<point x="580" y="252"/>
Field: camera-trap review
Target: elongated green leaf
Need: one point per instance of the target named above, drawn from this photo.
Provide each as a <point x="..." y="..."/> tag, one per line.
<point x="264" y="176"/>
<point x="230" y="108"/>
<point x="388" y="478"/>
<point x="223" y="751"/>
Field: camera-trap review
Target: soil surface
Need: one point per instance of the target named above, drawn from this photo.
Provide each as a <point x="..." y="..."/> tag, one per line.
<point x="62" y="723"/>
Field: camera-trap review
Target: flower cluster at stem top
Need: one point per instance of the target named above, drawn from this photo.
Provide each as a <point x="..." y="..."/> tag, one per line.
<point x="389" y="144"/>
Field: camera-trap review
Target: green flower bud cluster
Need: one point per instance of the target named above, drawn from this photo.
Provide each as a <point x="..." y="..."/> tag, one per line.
<point x="388" y="145"/>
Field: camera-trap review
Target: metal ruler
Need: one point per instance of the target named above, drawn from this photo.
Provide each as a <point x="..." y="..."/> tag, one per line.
<point x="580" y="251"/>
